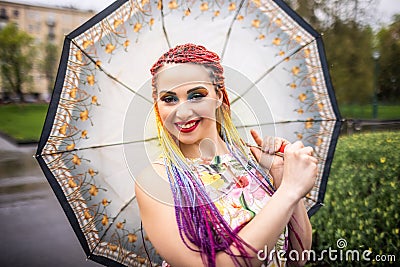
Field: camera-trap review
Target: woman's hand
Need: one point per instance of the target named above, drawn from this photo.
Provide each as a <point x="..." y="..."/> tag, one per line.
<point x="266" y="155"/>
<point x="299" y="170"/>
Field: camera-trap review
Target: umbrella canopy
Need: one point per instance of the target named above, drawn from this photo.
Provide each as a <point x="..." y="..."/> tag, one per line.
<point x="100" y="132"/>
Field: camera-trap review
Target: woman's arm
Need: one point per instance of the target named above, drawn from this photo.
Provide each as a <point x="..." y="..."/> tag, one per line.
<point x="299" y="221"/>
<point x="263" y="231"/>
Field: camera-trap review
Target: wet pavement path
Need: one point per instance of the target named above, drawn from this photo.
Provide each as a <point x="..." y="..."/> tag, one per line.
<point x="33" y="227"/>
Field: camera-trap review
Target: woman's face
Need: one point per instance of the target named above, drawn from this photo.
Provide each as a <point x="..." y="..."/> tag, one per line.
<point x="187" y="102"/>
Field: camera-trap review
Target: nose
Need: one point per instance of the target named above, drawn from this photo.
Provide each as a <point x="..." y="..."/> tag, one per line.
<point x="184" y="112"/>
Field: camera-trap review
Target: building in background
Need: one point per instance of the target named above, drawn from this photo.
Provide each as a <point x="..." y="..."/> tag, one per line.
<point x="45" y="24"/>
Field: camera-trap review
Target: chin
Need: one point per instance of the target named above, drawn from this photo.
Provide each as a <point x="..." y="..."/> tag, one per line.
<point x="188" y="141"/>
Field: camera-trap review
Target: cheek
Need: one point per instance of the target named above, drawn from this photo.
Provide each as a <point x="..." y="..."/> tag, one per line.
<point x="165" y="113"/>
<point x="206" y="109"/>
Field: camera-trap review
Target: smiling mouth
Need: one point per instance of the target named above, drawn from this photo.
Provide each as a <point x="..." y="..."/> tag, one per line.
<point x="187" y="127"/>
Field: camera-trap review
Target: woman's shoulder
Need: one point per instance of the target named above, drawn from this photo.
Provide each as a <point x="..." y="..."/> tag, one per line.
<point x="153" y="181"/>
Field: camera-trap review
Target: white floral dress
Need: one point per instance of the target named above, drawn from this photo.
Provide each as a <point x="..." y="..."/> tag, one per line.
<point x="236" y="194"/>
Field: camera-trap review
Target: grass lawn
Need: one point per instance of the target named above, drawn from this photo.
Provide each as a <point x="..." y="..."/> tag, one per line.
<point x="23" y="122"/>
<point x="361" y="201"/>
<point x="385" y="112"/>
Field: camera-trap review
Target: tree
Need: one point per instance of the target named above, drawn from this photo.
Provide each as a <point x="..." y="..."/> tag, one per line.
<point x="49" y="64"/>
<point x="348" y="43"/>
<point x="389" y="74"/>
<point x="349" y="51"/>
<point x="16" y="59"/>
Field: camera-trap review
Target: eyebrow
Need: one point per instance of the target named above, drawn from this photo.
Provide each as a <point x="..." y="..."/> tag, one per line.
<point x="188" y="91"/>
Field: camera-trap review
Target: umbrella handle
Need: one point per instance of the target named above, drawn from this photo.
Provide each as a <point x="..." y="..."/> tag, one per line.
<point x="281" y="151"/>
<point x="278" y="153"/>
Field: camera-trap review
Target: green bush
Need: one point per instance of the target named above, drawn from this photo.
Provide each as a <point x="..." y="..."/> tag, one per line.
<point x="362" y="201"/>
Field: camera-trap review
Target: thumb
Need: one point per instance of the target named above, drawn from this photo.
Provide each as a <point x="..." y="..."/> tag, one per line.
<point x="263" y="159"/>
<point x="256" y="153"/>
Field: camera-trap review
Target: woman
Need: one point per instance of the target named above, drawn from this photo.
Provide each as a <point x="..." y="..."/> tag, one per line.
<point x="226" y="208"/>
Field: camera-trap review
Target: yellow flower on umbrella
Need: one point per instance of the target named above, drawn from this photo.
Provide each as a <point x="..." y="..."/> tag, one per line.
<point x="309" y="123"/>
<point x="91" y="172"/>
<point x="84" y="115"/>
<point x="127" y="43"/>
<point x="87" y="215"/>
<point x="296" y="70"/>
<point x="72" y="183"/>
<point x="110" y="48"/>
<point x="120" y="225"/>
<point x="117" y="22"/>
<point x="93" y="190"/>
<point x="302" y="97"/>
<point x="187" y="12"/>
<point x="63" y="129"/>
<point x="72" y="93"/>
<point x="70" y="147"/>
<point x="76" y="160"/>
<point x="276" y="41"/>
<point x="137" y="27"/>
<point x="94" y="100"/>
<point x="90" y="79"/>
<point x="257" y="3"/>
<point x="204" y="6"/>
<point x="78" y="55"/>
<point x="112" y="247"/>
<point x="104" y="221"/>
<point x="87" y="43"/>
<point x="173" y="4"/>
<point x="256" y="23"/>
<point x="132" y="237"/>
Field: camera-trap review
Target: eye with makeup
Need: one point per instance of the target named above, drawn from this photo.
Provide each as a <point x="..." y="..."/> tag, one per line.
<point x="169" y="98"/>
<point x="197" y="94"/>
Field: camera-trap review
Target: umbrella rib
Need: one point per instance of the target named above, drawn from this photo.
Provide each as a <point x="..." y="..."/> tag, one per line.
<point x="281" y="122"/>
<point x="109" y="75"/>
<point x="228" y="35"/>
<point x="99" y="146"/>
<point x="271" y="69"/>
<point x="163" y="25"/>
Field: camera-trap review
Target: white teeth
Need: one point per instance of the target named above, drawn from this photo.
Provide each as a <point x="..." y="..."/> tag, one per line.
<point x="186" y="126"/>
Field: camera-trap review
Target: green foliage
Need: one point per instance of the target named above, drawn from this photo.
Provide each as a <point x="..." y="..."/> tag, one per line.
<point x="385" y="111"/>
<point x="362" y="198"/>
<point x="348" y="44"/>
<point x="389" y="66"/>
<point x="23" y="122"/>
<point x="49" y="64"/>
<point x="16" y="57"/>
<point x="349" y="52"/>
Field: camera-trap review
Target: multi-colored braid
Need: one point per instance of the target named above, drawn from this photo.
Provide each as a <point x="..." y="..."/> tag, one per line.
<point x="198" y="219"/>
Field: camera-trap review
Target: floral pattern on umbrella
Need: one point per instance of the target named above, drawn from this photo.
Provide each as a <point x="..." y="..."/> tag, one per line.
<point x="93" y="141"/>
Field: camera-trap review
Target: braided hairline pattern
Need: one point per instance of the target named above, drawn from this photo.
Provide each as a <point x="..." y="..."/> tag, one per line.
<point x="195" y="54"/>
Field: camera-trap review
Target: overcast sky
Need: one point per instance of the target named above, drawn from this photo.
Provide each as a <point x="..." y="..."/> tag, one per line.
<point x="386" y="7"/>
